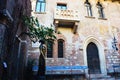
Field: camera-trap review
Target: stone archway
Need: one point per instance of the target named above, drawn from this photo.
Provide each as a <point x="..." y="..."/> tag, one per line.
<point x="101" y="54"/>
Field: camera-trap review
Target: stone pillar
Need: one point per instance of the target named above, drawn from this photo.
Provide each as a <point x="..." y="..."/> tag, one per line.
<point x="22" y="53"/>
<point x="17" y="66"/>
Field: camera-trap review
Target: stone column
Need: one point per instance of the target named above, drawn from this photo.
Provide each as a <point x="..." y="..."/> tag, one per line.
<point x="22" y="53"/>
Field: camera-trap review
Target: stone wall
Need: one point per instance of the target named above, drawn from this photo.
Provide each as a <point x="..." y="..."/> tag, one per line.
<point x="14" y="50"/>
<point x="90" y="29"/>
<point x="2" y="31"/>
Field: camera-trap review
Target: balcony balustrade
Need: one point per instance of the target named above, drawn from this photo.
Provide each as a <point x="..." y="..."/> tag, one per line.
<point x="70" y="15"/>
<point x="66" y="18"/>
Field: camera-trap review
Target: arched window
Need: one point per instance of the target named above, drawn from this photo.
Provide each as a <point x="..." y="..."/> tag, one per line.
<point x="50" y="49"/>
<point x="60" y="48"/>
<point x="100" y="10"/>
<point x="88" y="8"/>
<point x="40" y="6"/>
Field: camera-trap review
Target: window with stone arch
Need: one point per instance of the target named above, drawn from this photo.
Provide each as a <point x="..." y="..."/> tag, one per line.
<point x="40" y="6"/>
<point x="50" y="49"/>
<point x="88" y="8"/>
<point x="100" y="10"/>
<point x="60" y="48"/>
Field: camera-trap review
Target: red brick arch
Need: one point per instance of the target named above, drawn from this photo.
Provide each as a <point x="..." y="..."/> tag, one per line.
<point x="55" y="47"/>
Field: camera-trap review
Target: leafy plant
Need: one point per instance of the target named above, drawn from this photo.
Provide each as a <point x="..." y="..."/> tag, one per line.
<point x="38" y="32"/>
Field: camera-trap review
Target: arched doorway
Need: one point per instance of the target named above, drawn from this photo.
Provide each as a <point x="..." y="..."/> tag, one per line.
<point x="93" y="60"/>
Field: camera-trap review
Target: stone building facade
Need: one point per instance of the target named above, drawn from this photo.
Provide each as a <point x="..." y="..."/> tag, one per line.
<point x="87" y="29"/>
<point x="13" y="48"/>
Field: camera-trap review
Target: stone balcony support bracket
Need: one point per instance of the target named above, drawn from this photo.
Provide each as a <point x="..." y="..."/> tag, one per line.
<point x="75" y="27"/>
<point x="56" y="25"/>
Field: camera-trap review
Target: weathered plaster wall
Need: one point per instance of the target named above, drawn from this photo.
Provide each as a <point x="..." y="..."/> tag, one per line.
<point x="89" y="27"/>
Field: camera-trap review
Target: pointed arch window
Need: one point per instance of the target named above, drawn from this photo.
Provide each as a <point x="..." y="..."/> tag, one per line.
<point x="100" y="10"/>
<point x="50" y="49"/>
<point x="60" y="48"/>
<point x="40" y="6"/>
<point x="88" y="8"/>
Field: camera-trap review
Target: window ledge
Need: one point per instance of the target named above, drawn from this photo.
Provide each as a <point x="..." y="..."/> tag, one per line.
<point x="49" y="58"/>
<point x="102" y="18"/>
<point x="90" y="17"/>
<point x="40" y="12"/>
<point x="60" y="58"/>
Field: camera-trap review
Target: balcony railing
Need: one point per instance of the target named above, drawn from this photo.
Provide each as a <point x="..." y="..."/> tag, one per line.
<point x="66" y="15"/>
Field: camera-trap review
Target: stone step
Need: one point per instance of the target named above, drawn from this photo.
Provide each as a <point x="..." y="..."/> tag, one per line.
<point x="103" y="79"/>
<point x="97" y="75"/>
<point x="100" y="77"/>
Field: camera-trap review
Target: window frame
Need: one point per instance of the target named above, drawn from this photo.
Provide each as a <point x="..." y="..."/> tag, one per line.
<point x="59" y="54"/>
<point x="62" y="6"/>
<point x="100" y="10"/>
<point x="89" y="9"/>
<point x="39" y="5"/>
<point x="51" y="51"/>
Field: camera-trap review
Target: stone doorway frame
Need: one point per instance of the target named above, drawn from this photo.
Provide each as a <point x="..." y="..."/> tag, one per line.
<point x="100" y="53"/>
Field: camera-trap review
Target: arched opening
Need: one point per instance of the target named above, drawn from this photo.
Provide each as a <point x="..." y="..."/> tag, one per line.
<point x="60" y="48"/>
<point x="93" y="60"/>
